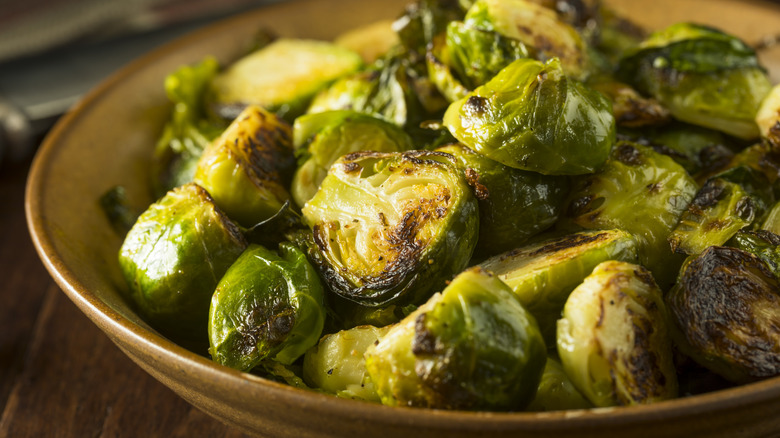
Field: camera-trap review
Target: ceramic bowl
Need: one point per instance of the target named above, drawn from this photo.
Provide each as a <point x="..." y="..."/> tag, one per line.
<point x="107" y="139"/>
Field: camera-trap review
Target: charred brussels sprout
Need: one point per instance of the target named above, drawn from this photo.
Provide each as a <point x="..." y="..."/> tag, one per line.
<point x="513" y="204"/>
<point x="173" y="258"/>
<point x="724" y="205"/>
<point x="702" y="75"/>
<point x="556" y="392"/>
<point x="391" y="228"/>
<point x="537" y="27"/>
<point x="281" y="77"/>
<point x="266" y="306"/>
<point x="726" y="309"/>
<point x="613" y="340"/>
<point x="542" y="275"/>
<point x="321" y="138"/>
<point x="247" y="168"/>
<point x="531" y="117"/>
<point x="640" y="191"/>
<point x="337" y="366"/>
<point x="471" y="347"/>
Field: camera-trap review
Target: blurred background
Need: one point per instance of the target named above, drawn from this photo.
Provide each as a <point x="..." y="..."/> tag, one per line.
<point x="54" y="51"/>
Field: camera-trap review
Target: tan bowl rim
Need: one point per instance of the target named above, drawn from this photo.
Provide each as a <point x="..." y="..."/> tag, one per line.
<point x="120" y="327"/>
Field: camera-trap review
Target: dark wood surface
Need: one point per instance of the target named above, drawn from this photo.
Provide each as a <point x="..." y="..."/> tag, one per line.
<point x="60" y="376"/>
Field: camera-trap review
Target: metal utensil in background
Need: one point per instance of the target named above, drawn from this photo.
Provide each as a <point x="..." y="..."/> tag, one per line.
<point x="40" y="84"/>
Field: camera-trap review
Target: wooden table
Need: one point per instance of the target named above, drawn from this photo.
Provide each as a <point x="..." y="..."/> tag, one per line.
<point x="59" y="374"/>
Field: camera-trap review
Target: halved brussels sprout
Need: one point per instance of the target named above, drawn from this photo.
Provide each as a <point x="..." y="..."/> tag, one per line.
<point x="642" y="192"/>
<point x="281" y="77"/>
<point x="248" y="167"/>
<point x="188" y="132"/>
<point x="726" y="307"/>
<point x="726" y="204"/>
<point x="266" y="306"/>
<point x="613" y="340"/>
<point x="337" y="366"/>
<point x="531" y="117"/>
<point x="471" y="347"/>
<point x="762" y="244"/>
<point x="535" y="26"/>
<point x="513" y="204"/>
<point x="702" y="75"/>
<point x="556" y="392"/>
<point x="173" y="258"/>
<point x="321" y="138"/>
<point x="391" y="228"/>
<point x="543" y="275"/>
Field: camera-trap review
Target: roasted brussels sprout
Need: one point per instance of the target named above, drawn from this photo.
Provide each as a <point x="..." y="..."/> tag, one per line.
<point x="173" y="258"/>
<point x="188" y="132"/>
<point x="726" y="309"/>
<point x="336" y="365"/>
<point x="513" y="204"/>
<point x="321" y="138"/>
<point x="471" y="347"/>
<point x="391" y="228"/>
<point x="266" y="306"/>
<point x="542" y="275"/>
<point x="248" y="167"/>
<point x="281" y="77"/>
<point x="535" y="26"/>
<point x="642" y="192"/>
<point x="531" y="117"/>
<point x="613" y="340"/>
<point x="702" y="75"/>
<point x="476" y="55"/>
<point x="392" y="88"/>
<point x="727" y="203"/>
<point x="761" y="243"/>
<point x="556" y="392"/>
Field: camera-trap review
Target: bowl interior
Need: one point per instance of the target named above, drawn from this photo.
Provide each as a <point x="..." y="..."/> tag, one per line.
<point x="107" y="139"/>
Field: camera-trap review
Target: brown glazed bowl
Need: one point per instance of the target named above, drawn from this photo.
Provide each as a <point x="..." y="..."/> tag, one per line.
<point x="107" y="140"/>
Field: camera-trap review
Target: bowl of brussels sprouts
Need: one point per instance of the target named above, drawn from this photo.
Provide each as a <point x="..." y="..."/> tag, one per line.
<point x="443" y="218"/>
